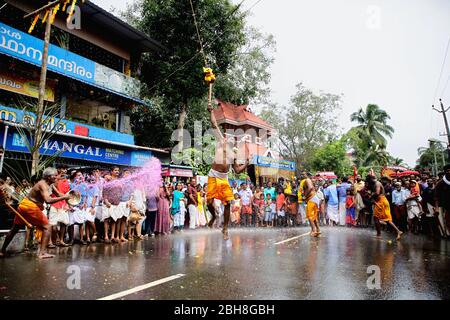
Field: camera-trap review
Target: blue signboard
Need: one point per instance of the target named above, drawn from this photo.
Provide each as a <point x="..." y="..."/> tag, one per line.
<point x="82" y="150"/>
<point x="30" y="49"/>
<point x="64" y="126"/>
<point x="273" y="163"/>
<point x="139" y="158"/>
<point x="20" y="45"/>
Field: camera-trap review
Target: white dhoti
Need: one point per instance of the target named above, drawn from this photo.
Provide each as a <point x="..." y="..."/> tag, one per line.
<point x="333" y="212"/>
<point x="88" y="215"/>
<point x="413" y="209"/>
<point x="58" y="215"/>
<point x="342" y="213"/>
<point x="441" y="218"/>
<point x="123" y="210"/>
<point x="193" y="216"/>
<point x="77" y="216"/>
<point x="302" y="211"/>
<point x="99" y="212"/>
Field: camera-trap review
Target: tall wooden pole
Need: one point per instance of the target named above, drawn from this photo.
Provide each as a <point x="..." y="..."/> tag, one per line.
<point x="38" y="131"/>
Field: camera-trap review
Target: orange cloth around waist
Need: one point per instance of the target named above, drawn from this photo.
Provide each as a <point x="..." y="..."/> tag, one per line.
<point x="32" y="212"/>
<point x="312" y="211"/>
<point x="219" y="189"/>
<point x="381" y="209"/>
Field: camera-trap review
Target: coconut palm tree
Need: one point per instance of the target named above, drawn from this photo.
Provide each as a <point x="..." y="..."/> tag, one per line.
<point x="397" y="162"/>
<point x="372" y="124"/>
<point x="377" y="156"/>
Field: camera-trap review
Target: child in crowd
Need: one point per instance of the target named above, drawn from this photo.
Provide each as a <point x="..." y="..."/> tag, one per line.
<point x="235" y="210"/>
<point x="268" y="210"/>
<point x="350" y="206"/>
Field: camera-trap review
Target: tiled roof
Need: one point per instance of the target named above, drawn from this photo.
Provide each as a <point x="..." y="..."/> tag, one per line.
<point x="228" y="111"/>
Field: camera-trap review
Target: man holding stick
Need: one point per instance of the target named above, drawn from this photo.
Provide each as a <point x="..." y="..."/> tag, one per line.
<point x="30" y="210"/>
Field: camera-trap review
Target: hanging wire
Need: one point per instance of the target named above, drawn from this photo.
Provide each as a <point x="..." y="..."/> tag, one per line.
<point x="198" y="34"/>
<point x="219" y="34"/>
<point x="442" y="69"/>
<point x="446" y="84"/>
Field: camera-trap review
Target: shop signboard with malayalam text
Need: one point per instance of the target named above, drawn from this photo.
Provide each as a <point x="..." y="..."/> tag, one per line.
<point x="63" y="126"/>
<point x="27" y="87"/>
<point x="273" y="163"/>
<point x="82" y="150"/>
<point x="22" y="46"/>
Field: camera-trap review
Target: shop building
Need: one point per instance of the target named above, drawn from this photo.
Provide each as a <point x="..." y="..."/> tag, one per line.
<point x="91" y="85"/>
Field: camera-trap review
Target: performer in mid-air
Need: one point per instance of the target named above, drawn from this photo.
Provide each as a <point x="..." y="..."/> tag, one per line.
<point x="218" y="185"/>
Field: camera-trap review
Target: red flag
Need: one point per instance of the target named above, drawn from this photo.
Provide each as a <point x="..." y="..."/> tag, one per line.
<point x="355" y="173"/>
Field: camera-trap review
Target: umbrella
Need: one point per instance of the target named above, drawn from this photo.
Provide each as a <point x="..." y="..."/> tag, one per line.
<point x="405" y="173"/>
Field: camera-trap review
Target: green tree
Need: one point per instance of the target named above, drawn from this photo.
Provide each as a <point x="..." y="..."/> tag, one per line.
<point x="431" y="157"/>
<point x="177" y="74"/>
<point x="306" y="124"/>
<point x="332" y="157"/>
<point x="248" y="78"/>
<point x="245" y="79"/>
<point x="372" y="125"/>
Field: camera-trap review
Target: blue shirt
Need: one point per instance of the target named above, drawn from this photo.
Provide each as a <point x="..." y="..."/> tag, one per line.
<point x="331" y="193"/>
<point x="246" y="196"/>
<point x="177" y="196"/>
<point x="127" y="191"/>
<point x="271" y="191"/>
<point x="82" y="189"/>
<point x="342" y="191"/>
<point x="398" y="197"/>
<point x="92" y="191"/>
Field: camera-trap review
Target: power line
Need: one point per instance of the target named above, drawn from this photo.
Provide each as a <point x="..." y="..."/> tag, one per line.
<point x="442" y="69"/>
<point x="446" y="84"/>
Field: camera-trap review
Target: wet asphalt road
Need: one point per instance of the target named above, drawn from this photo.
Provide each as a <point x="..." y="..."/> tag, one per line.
<point x="248" y="266"/>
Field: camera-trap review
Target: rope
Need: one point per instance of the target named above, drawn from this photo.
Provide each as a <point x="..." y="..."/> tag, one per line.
<point x="219" y="34"/>
<point x="198" y="34"/>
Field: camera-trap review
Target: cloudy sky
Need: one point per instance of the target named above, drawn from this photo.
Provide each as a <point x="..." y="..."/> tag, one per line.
<point x="387" y="52"/>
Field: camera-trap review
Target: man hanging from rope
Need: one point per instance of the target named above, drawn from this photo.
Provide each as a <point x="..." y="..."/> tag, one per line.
<point x="218" y="185"/>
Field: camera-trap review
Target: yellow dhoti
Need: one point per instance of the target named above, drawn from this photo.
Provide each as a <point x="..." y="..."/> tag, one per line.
<point x="219" y="188"/>
<point x="381" y="209"/>
<point x="312" y="210"/>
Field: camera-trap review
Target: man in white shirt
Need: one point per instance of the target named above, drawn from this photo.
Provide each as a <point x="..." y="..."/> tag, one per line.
<point x="246" y="204"/>
<point x="399" y="196"/>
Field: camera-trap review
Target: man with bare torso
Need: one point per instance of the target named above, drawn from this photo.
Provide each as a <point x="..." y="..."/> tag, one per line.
<point x="381" y="208"/>
<point x="312" y="203"/>
<point x="31" y="208"/>
<point x="218" y="185"/>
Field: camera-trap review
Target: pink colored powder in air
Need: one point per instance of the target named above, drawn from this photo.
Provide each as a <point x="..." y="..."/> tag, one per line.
<point x="147" y="178"/>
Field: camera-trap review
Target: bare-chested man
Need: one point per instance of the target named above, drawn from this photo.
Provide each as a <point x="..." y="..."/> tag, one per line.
<point x="381" y="208"/>
<point x="312" y="204"/>
<point x="218" y="185"/>
<point x="31" y="208"/>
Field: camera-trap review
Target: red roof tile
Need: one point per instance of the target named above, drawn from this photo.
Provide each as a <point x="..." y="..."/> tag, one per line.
<point x="229" y="111"/>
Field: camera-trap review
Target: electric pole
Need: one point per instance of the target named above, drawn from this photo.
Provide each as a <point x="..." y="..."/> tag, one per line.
<point x="447" y="129"/>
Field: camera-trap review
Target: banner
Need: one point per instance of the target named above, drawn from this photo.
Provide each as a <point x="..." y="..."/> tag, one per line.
<point x="273" y="163"/>
<point x="26" y="87"/>
<point x="82" y="150"/>
<point x="64" y="126"/>
<point x="27" y="48"/>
